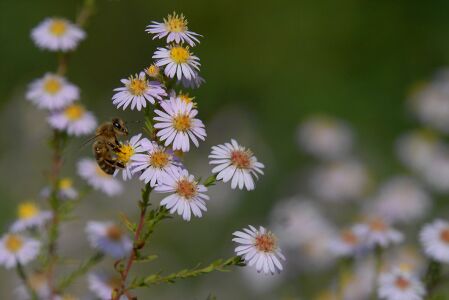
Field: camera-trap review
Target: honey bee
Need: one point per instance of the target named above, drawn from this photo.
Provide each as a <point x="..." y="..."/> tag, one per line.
<point x="106" y="144"/>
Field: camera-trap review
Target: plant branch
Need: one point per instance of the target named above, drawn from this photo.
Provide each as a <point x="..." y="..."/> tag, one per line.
<point x="23" y="276"/>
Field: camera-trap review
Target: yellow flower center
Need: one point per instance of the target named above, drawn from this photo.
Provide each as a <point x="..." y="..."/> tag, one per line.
<point x="402" y="283"/>
<point x="52" y="86"/>
<point x="186" y="189"/>
<point x="179" y="54"/>
<point x="444" y="235"/>
<point x="175" y="23"/>
<point x="152" y="71"/>
<point x="137" y="86"/>
<point x="65" y="183"/>
<point x="27" y="210"/>
<point x="241" y="159"/>
<point x="182" y="122"/>
<point x="159" y="159"/>
<point x="185" y="98"/>
<point x="58" y="27"/>
<point x="37" y="280"/>
<point x="114" y="233"/>
<point x="126" y="151"/>
<point x="74" y="112"/>
<point x="265" y="242"/>
<point x="13" y="243"/>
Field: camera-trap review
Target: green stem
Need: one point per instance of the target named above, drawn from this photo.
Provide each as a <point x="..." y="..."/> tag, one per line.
<point x="218" y="265"/>
<point x="432" y="277"/>
<point x="23" y="276"/>
<point x="344" y="266"/>
<point x="82" y="269"/>
<point x="378" y="251"/>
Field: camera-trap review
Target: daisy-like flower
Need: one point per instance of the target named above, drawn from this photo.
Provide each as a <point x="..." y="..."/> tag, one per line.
<point x="108" y="238"/>
<point x="137" y="91"/>
<point x="236" y="162"/>
<point x="66" y="191"/>
<point x="401" y="199"/>
<point x="52" y="92"/>
<point x="57" y="34"/>
<point x="259" y="248"/>
<point x="127" y="151"/>
<point x="378" y="233"/>
<point x="349" y="242"/>
<point x="187" y="196"/>
<point x="97" y="178"/>
<point x="155" y="165"/>
<point x="435" y="240"/>
<point x="17" y="249"/>
<point x="103" y="285"/>
<point x="29" y="215"/>
<point x="177" y="124"/>
<point x="178" y="61"/>
<point x="400" y="285"/>
<point x="74" y="119"/>
<point x="175" y="29"/>
<point x="153" y="71"/>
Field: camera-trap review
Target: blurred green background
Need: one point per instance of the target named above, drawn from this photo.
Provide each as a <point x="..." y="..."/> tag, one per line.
<point x="267" y="64"/>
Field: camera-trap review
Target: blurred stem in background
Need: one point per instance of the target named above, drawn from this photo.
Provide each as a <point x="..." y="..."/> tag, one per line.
<point x="57" y="144"/>
<point x="23" y="276"/>
<point x="432" y="278"/>
<point x="378" y="253"/>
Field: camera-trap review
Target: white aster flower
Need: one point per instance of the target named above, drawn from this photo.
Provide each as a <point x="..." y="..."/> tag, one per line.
<point x="74" y="119"/>
<point x="127" y="151"/>
<point x="103" y="285"/>
<point x="108" y="238"/>
<point x="30" y="216"/>
<point x="178" y="61"/>
<point x="17" y="249"/>
<point x="436" y="171"/>
<point x="66" y="191"/>
<point x="400" y="285"/>
<point x="435" y="240"/>
<point x="137" y="91"/>
<point x="57" y="34"/>
<point x="52" y="92"/>
<point x="325" y="137"/>
<point x="259" y="248"/>
<point x="401" y="199"/>
<point x="177" y="124"/>
<point x="236" y="162"/>
<point x="349" y="242"/>
<point x="155" y="165"/>
<point x="175" y="29"/>
<point x="97" y="178"/>
<point x="340" y="181"/>
<point x="187" y="196"/>
<point x="378" y="233"/>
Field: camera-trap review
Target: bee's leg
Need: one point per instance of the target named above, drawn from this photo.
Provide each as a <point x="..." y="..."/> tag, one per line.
<point x="115" y="163"/>
<point x="114" y="147"/>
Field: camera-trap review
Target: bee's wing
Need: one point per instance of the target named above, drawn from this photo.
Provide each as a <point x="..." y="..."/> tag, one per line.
<point x="89" y="140"/>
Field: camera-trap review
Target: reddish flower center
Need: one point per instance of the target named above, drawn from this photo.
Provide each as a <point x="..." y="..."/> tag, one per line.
<point x="444" y="235"/>
<point x="241" y="159"/>
<point x="114" y="233"/>
<point x="186" y="189"/>
<point x="265" y="242"/>
<point x="402" y="283"/>
<point x="378" y="225"/>
<point x="349" y="237"/>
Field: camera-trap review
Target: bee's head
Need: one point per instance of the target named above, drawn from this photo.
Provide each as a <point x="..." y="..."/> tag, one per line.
<point x="119" y="126"/>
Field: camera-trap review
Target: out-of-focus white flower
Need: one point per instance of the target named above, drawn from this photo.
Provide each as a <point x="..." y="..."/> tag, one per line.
<point x="156" y="164"/>
<point x="126" y="153"/>
<point x="17" y="249"/>
<point x="435" y="240"/>
<point x="325" y="137"/>
<point x="436" y="172"/>
<point x="103" y="285"/>
<point x="175" y="29"/>
<point x="187" y="196"/>
<point x="348" y="242"/>
<point x="416" y="149"/>
<point x="401" y="199"/>
<point x="108" y="238"/>
<point x="400" y="285"/>
<point x="259" y="248"/>
<point x="74" y="119"/>
<point x="359" y="284"/>
<point x="38" y="282"/>
<point x="406" y="257"/>
<point x="137" y="91"/>
<point x="52" y="92"/>
<point x="97" y="178"/>
<point x="57" y="34"/>
<point x="66" y="191"/>
<point x="379" y="233"/>
<point x="430" y="103"/>
<point x="339" y="181"/>
<point x="29" y="215"/>
<point x="177" y="124"/>
<point x="178" y="61"/>
<point x="237" y="163"/>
